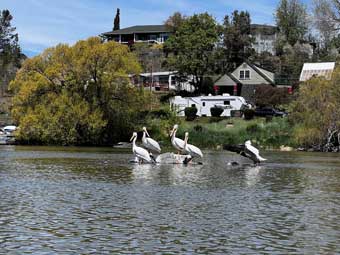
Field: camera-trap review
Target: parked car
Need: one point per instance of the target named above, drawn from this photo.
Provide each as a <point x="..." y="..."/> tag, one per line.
<point x="269" y="111"/>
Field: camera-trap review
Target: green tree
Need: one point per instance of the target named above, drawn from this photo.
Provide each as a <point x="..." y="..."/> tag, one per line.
<point x="316" y="114"/>
<point x="326" y="16"/>
<point x="291" y="63"/>
<point x="9" y="49"/>
<point x="175" y="21"/>
<point x="291" y="19"/>
<point x="267" y="61"/>
<point x="192" y="47"/>
<point x="237" y="40"/>
<point x="78" y="94"/>
<point x="326" y="20"/>
<point x="151" y="57"/>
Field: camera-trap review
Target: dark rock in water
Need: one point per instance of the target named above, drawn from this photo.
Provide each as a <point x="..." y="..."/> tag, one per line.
<point x="123" y="145"/>
<point x="233" y="163"/>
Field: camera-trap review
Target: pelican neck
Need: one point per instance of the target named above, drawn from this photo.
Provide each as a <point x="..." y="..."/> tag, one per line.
<point x="134" y="142"/>
<point x="185" y="142"/>
<point x="173" y="135"/>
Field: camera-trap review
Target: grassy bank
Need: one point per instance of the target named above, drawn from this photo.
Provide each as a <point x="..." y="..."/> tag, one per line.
<point x="266" y="134"/>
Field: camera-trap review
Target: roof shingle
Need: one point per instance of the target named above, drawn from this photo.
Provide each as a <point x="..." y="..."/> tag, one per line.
<point x="140" y="30"/>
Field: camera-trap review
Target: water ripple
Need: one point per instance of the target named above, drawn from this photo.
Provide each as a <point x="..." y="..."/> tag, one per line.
<point x="89" y="202"/>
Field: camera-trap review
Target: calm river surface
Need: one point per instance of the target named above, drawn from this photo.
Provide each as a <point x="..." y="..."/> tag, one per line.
<point x="92" y="201"/>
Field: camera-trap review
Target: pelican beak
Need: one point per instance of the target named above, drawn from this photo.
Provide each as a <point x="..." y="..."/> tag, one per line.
<point x="147" y="133"/>
<point x="171" y="132"/>
<point x="186" y="136"/>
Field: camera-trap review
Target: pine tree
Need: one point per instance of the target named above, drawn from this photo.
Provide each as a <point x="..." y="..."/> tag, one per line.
<point x="9" y="48"/>
<point x="8" y="38"/>
<point x="116" y="25"/>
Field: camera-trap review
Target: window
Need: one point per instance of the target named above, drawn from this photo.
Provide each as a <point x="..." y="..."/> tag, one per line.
<point x="241" y="75"/>
<point x="203" y="104"/>
<point x="226" y="102"/>
<point x="193" y="105"/>
<point x="244" y="74"/>
<point x="247" y="74"/>
<point x="153" y="37"/>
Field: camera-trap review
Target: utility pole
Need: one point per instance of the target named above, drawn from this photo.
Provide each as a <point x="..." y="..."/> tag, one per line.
<point x="151" y="85"/>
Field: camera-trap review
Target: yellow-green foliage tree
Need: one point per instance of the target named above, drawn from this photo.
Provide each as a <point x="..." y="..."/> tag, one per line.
<point x="316" y="114"/>
<point x="78" y="94"/>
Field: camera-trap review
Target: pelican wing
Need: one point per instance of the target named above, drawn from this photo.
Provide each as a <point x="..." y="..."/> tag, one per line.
<point x="234" y="148"/>
<point x="178" y="144"/>
<point x="194" y="151"/>
<point x="252" y="149"/>
<point x="254" y="153"/>
<point x="152" y="145"/>
<point x="142" y="154"/>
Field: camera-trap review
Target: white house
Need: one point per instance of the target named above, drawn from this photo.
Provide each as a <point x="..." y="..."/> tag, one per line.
<point x="324" y="69"/>
<point x="264" y="38"/>
<point x="204" y="103"/>
<point x="165" y="81"/>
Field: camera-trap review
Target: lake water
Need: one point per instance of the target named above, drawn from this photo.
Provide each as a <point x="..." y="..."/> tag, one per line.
<point x="92" y="201"/>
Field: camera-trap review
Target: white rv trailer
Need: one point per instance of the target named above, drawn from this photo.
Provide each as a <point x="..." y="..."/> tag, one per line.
<point x="204" y="103"/>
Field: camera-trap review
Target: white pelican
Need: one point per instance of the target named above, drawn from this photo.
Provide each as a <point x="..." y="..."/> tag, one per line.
<point x="150" y="143"/>
<point x="139" y="152"/>
<point x="246" y="150"/>
<point x="190" y="149"/>
<point x="253" y="152"/>
<point x="176" y="142"/>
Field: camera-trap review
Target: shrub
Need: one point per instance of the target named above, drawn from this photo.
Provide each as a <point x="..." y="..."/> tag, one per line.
<point x="253" y="128"/>
<point x="216" y="111"/>
<point x="267" y="95"/>
<point x="165" y="98"/>
<point x="215" y="119"/>
<point x="161" y="113"/>
<point x="190" y="113"/>
<point x="269" y="118"/>
<point x="198" y="128"/>
<point x="249" y="114"/>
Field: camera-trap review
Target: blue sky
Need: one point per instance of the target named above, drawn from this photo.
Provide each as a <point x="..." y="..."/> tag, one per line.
<point x="45" y="23"/>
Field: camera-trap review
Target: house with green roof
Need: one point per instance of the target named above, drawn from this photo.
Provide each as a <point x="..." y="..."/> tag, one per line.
<point x="147" y="33"/>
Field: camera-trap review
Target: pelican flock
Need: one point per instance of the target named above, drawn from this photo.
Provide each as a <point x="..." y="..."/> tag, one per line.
<point x="188" y="151"/>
